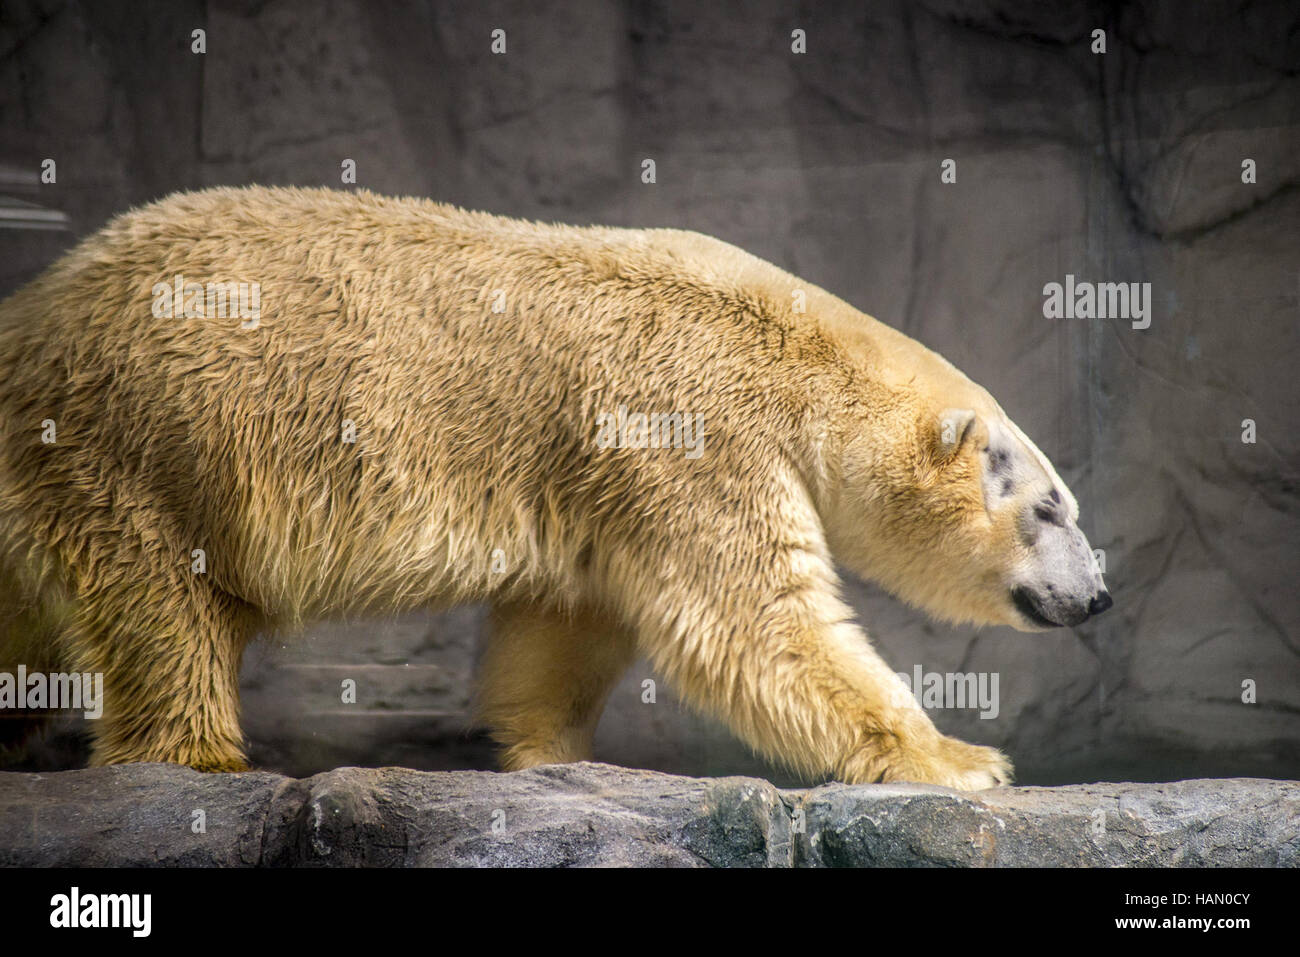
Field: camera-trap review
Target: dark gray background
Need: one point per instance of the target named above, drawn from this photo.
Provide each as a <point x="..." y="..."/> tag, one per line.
<point x="1119" y="167"/>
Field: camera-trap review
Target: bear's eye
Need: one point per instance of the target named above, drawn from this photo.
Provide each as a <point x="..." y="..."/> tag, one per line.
<point x="1045" y="513"/>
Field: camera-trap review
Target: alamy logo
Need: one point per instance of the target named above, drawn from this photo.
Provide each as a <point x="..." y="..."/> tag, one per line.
<point x="655" y="430"/>
<point x="1102" y="300"/>
<point x="179" y="299"/>
<point x="954" y="689"/>
<point x="75" y="909"/>
<point x="39" y="691"/>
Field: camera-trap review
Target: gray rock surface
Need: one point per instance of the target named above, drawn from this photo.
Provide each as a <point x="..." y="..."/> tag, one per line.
<point x="592" y="815"/>
<point x="1117" y="167"/>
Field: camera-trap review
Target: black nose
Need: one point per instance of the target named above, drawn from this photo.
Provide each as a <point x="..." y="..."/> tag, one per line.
<point x="1100" y="603"/>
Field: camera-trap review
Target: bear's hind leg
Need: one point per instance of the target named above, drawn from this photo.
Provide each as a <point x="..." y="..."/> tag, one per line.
<point x="544" y="679"/>
<point x="169" y="647"/>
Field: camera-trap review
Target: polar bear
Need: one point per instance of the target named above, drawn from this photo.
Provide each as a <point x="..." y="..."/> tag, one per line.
<point x="394" y="404"/>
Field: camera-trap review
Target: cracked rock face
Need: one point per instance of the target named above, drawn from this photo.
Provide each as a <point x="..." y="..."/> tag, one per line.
<point x="1122" y="167"/>
<point x="592" y="815"/>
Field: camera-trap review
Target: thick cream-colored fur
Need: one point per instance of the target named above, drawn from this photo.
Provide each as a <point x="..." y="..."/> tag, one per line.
<point x="476" y="439"/>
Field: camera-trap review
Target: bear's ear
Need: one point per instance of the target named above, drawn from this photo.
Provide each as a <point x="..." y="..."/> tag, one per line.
<point x="953" y="429"/>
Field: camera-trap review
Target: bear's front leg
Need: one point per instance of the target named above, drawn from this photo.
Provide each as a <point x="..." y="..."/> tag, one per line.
<point x="786" y="668"/>
<point x="820" y="699"/>
<point x="544" y="679"/>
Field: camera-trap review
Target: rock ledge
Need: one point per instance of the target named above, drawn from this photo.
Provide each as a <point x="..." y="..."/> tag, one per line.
<point x="595" y="814"/>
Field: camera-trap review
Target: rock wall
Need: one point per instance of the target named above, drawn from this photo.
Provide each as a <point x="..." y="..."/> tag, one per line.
<point x="1117" y="167"/>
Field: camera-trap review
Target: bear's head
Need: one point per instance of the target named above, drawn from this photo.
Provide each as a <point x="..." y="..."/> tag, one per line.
<point x="954" y="510"/>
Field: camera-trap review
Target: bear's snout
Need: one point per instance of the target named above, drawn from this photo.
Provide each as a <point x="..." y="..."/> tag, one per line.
<point x="1050" y="610"/>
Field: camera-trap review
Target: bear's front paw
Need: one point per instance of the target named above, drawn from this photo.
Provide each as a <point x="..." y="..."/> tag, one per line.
<point x="966" y="767"/>
<point x="929" y="759"/>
